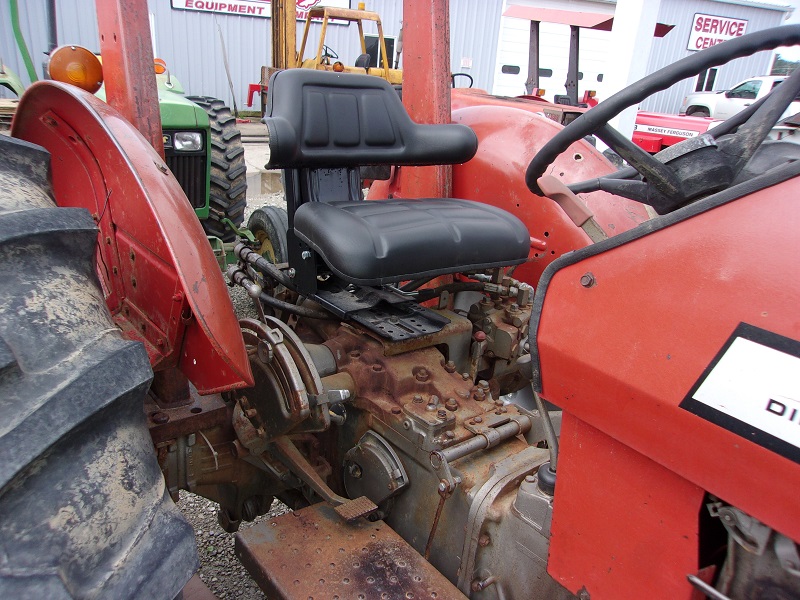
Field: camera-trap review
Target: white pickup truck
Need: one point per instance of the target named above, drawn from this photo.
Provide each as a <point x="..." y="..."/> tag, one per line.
<point x="724" y="104"/>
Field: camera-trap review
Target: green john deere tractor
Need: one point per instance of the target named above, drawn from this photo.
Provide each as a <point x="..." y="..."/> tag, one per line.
<point x="202" y="145"/>
<point x="203" y="149"/>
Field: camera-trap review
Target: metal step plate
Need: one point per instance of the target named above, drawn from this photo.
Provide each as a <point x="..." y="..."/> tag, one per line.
<point x="313" y="554"/>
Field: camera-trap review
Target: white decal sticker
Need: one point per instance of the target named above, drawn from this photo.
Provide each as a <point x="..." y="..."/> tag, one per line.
<point x="757" y="385"/>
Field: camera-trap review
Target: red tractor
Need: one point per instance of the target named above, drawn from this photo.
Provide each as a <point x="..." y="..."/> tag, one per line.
<point x="529" y="390"/>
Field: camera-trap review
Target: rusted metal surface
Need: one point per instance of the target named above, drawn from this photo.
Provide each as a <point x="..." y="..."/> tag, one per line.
<point x="348" y="510"/>
<point x="313" y="554"/>
<point x="201" y="412"/>
<point x="160" y="278"/>
<point x="197" y="590"/>
<point x="128" y="66"/>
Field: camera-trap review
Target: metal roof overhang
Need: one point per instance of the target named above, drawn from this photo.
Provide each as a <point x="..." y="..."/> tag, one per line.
<point x="587" y="20"/>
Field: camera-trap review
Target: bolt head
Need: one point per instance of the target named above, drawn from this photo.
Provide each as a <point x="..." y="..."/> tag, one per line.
<point x="587" y="280"/>
<point x="442" y="414"/>
<point x="305" y="255"/>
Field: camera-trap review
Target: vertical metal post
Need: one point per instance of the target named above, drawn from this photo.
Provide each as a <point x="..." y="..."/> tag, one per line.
<point x="533" y="59"/>
<point x="52" y="26"/>
<point x="426" y="86"/>
<point x="572" y="67"/>
<point x="128" y="70"/>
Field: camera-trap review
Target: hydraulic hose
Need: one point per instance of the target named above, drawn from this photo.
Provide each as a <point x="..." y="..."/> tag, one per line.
<point x="239" y="277"/>
<point x="261" y="264"/>
<point x="23" y="48"/>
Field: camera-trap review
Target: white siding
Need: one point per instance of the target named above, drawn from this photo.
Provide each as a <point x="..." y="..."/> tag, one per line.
<point x="554" y="50"/>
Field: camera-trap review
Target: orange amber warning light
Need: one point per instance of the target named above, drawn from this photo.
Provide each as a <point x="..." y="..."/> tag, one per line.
<point x="78" y="66"/>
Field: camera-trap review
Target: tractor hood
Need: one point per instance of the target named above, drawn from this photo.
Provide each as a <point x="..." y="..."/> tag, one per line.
<point x="177" y="112"/>
<point x="9" y="80"/>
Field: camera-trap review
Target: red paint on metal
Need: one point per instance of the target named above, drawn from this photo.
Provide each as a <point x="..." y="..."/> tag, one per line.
<point x="508" y="140"/>
<point x="623" y="525"/>
<point x="426" y="90"/>
<point x="159" y="276"/>
<point x="655" y="131"/>
<point x="128" y="68"/>
<point x="662" y="307"/>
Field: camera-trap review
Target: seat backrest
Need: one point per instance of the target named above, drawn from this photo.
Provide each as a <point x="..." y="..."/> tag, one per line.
<point x="362" y="61"/>
<point x="321" y="119"/>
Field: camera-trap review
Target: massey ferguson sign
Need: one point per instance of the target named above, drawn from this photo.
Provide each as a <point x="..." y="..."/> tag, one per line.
<point x="252" y="8"/>
<point x="710" y="30"/>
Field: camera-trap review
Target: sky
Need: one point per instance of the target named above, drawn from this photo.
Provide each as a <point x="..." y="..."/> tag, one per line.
<point x="794" y="52"/>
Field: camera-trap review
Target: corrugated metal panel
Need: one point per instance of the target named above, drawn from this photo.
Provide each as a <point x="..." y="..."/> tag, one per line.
<point x="673" y="47"/>
<point x="33" y="23"/>
<point x="189" y="42"/>
<point x="474" y="31"/>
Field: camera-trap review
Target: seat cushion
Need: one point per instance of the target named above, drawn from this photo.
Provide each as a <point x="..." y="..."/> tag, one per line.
<point x="385" y="241"/>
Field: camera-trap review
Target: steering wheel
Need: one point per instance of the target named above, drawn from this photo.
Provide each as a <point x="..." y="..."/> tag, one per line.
<point x="467" y="75"/>
<point x="694" y="167"/>
<point x="327" y="52"/>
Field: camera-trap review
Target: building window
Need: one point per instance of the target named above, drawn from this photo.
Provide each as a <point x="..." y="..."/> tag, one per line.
<point x="705" y="81"/>
<point x="373" y="45"/>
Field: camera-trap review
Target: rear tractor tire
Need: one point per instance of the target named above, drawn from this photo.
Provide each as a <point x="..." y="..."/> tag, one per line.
<point x="84" y="511"/>
<point x="228" y="189"/>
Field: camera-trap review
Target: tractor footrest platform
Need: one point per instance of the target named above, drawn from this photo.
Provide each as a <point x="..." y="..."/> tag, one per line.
<point x="313" y="553"/>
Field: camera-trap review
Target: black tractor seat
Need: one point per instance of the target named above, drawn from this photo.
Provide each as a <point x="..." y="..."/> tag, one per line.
<point x="323" y="127"/>
<point x="372" y="243"/>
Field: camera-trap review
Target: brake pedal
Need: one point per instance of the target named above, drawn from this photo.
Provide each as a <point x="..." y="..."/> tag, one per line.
<point x="349" y="510"/>
<point x="353" y="509"/>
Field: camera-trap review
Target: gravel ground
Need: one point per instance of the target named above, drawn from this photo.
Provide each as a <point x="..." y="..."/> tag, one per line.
<point x="220" y="570"/>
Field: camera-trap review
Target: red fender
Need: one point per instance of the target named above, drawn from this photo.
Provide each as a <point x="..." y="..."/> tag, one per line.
<point x="161" y="281"/>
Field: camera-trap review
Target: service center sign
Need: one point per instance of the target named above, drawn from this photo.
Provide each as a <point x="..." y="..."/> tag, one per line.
<point x="710" y="30"/>
<point x="252" y="8"/>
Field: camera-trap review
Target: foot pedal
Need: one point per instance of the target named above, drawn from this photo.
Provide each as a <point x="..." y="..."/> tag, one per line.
<point x="353" y="509"/>
<point x="313" y="553"/>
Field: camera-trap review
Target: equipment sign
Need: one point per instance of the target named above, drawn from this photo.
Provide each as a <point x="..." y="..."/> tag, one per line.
<point x="710" y="30"/>
<point x="252" y="8"/>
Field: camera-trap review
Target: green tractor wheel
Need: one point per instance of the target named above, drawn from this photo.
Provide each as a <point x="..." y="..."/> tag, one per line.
<point x="227" y="193"/>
